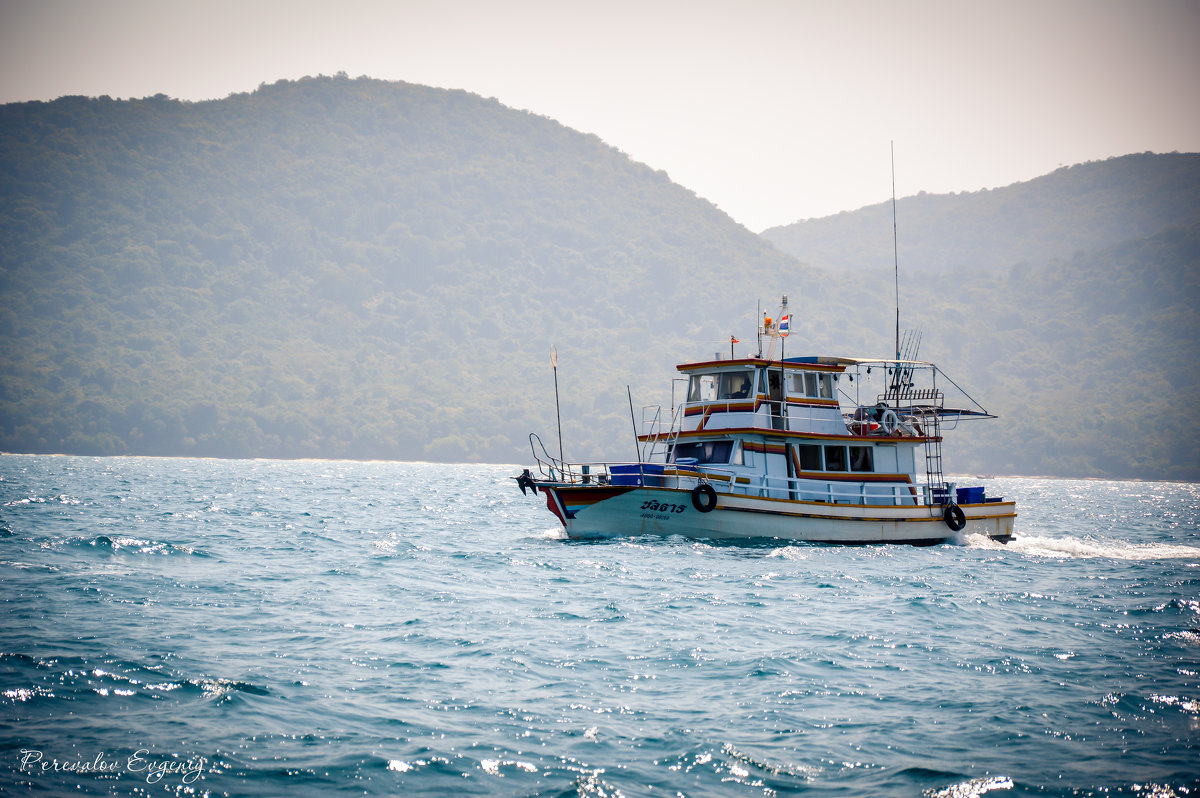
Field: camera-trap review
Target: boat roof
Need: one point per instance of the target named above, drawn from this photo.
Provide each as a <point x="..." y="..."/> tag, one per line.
<point x="827" y="362"/>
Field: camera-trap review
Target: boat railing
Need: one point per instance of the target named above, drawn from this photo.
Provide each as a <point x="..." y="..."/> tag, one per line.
<point x="830" y="492"/>
<point x="657" y="431"/>
<point x="763" y="486"/>
<point x="907" y="421"/>
<point x="714" y="410"/>
<point x="560" y="471"/>
<point x="686" y="476"/>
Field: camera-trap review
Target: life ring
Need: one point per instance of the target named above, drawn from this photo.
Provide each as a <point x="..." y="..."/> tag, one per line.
<point x="704" y="498"/>
<point x="888" y="421"/>
<point x="954" y="517"/>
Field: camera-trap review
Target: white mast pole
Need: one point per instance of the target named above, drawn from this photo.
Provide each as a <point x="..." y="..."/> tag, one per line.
<point x="557" y="413"/>
<point x="895" y="253"/>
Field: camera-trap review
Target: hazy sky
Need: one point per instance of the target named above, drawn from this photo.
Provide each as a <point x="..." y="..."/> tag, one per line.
<point x="775" y="111"/>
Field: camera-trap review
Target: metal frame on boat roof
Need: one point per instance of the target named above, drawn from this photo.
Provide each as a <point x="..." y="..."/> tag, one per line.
<point x="911" y="399"/>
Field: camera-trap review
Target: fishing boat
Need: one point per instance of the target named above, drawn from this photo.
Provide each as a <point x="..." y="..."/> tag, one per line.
<point x="821" y="449"/>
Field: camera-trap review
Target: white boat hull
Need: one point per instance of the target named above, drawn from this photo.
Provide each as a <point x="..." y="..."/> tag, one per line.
<point x="605" y="511"/>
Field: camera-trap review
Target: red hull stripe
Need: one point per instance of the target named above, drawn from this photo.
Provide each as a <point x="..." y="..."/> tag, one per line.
<point x="565" y="502"/>
<point x="553" y="505"/>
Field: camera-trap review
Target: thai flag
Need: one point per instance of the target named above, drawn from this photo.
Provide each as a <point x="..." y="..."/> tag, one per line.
<point x="783" y="325"/>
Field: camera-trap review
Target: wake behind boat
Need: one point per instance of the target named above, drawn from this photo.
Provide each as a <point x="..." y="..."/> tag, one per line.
<point x="813" y="448"/>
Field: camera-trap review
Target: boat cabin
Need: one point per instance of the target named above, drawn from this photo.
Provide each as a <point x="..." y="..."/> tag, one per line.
<point x="793" y="429"/>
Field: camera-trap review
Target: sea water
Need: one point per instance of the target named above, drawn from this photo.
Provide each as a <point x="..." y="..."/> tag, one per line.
<point x="210" y="627"/>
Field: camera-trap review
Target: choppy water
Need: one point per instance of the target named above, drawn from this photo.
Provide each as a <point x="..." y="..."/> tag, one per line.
<point x="280" y="628"/>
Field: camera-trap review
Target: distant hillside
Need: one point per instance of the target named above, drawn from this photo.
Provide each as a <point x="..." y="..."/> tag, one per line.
<point x="1074" y="209"/>
<point x="343" y="268"/>
<point x="354" y="268"/>
<point x="1089" y="361"/>
<point x="1068" y="304"/>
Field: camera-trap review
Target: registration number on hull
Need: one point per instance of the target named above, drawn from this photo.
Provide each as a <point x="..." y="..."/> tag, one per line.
<point x="661" y="511"/>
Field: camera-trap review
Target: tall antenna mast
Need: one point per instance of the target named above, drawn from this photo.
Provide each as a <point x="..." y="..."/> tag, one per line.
<point x="895" y="250"/>
<point x="554" y="366"/>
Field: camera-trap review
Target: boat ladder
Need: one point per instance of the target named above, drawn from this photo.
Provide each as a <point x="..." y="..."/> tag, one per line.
<point x="934" y="477"/>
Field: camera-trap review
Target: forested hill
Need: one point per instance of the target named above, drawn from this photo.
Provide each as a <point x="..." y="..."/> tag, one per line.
<point x="1076" y="208"/>
<point x="355" y="268"/>
<point x="344" y="268"/>
<point x="1071" y="304"/>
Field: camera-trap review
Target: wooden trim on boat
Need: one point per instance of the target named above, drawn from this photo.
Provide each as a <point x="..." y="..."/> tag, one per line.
<point x="780" y="433"/>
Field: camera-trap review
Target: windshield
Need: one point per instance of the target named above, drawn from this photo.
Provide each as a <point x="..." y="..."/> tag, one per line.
<point x="726" y="385"/>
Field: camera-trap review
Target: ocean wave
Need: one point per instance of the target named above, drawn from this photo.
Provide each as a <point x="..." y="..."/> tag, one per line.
<point x="972" y="788"/>
<point x="72" y="677"/>
<point x="16" y="694"/>
<point x="1072" y="547"/>
<point x="69" y="678"/>
<point x="794" y="553"/>
<point x="780" y="769"/>
<point x="59" y="499"/>
<point x="222" y="688"/>
<point x="131" y="545"/>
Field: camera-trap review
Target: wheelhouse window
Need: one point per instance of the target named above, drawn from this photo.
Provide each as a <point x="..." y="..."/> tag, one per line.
<point x="705" y="452"/>
<point x="734" y="385"/>
<point x="725" y="385"/>
<point x="702" y="387"/>
<point x="818" y="386"/>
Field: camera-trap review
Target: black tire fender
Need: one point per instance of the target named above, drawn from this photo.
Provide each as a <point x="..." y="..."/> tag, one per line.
<point x="954" y="517"/>
<point x="704" y="498"/>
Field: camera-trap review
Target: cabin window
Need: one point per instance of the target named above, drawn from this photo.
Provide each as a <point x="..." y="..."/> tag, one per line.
<point x="818" y="386"/>
<point x="702" y="388"/>
<point x="810" y="457"/>
<point x="734" y="385"/>
<point x="729" y="385"/>
<point x="705" y="451"/>
<point x="835" y="458"/>
<point x="862" y="458"/>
